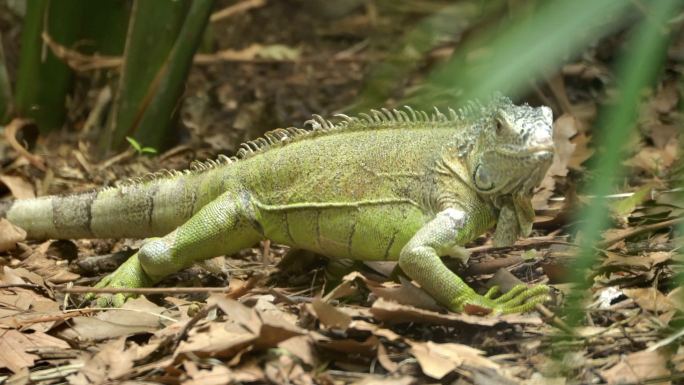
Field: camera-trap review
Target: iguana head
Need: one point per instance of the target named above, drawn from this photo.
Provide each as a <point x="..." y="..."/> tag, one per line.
<point x="512" y="148"/>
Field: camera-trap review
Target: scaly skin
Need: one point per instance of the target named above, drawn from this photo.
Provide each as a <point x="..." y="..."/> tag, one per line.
<point x="393" y="185"/>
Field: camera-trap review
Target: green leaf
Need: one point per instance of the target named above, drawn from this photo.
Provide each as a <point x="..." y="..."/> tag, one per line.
<point x="134" y="143"/>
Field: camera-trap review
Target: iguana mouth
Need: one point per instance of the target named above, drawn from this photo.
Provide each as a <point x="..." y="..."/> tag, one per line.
<point x="524" y="152"/>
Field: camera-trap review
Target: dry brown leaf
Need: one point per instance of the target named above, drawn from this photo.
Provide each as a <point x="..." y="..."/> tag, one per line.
<point x="51" y="269"/>
<point x="113" y="361"/>
<point x="438" y="360"/>
<point x="666" y="98"/>
<point x="366" y="347"/>
<point x="406" y="293"/>
<point x="582" y="151"/>
<point x="637" y="367"/>
<point x="386" y="380"/>
<point x="136" y="316"/>
<point x="538" y="379"/>
<point x="237" y="312"/>
<point x="21" y="275"/>
<point x="302" y="348"/>
<point x="217" y="375"/>
<point x="385" y="361"/>
<point x="22" y="307"/>
<point x="650" y="299"/>
<point x="20" y="188"/>
<point x="655" y="160"/>
<point x="27" y="310"/>
<point x="564" y="128"/>
<point x="662" y="134"/>
<point x="285" y="370"/>
<point x="275" y="330"/>
<point x="10" y="235"/>
<point x="248" y="371"/>
<point x="392" y="312"/>
<point x="217" y="339"/>
<point x="14" y="346"/>
<point x="329" y="315"/>
<point x="375" y="329"/>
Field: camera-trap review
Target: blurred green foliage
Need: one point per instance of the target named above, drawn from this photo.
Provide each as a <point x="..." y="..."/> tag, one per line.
<point x="159" y="47"/>
<point x="163" y="38"/>
<point x="43" y="80"/>
<point x="6" y="103"/>
<point x="637" y="70"/>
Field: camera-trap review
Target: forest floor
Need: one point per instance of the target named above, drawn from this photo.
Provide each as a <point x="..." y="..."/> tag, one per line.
<point x="276" y="315"/>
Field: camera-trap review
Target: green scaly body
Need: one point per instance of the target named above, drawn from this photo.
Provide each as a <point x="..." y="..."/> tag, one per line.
<point x="394" y="185"/>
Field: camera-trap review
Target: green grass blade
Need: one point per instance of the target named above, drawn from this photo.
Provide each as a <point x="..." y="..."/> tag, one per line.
<point x="161" y="109"/>
<point x="104" y="30"/>
<point x="511" y="57"/>
<point x="406" y="55"/>
<point x="638" y="69"/>
<point x="152" y="30"/>
<point x="43" y="82"/>
<point x="5" y="88"/>
<point x="162" y="39"/>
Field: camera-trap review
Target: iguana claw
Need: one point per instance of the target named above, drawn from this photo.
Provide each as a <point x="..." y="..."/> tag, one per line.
<point x="128" y="275"/>
<point x="519" y="299"/>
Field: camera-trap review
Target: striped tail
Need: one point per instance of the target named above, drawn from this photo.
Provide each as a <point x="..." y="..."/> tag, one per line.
<point x="148" y="209"/>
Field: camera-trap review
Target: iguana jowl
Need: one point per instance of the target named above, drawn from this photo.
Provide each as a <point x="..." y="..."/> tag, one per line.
<point x="390" y="185"/>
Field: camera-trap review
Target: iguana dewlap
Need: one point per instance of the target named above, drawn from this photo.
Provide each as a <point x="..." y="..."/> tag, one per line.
<point x="390" y="185"/>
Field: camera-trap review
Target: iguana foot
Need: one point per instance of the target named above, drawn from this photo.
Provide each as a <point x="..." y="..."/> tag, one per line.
<point x="519" y="299"/>
<point x="128" y="275"/>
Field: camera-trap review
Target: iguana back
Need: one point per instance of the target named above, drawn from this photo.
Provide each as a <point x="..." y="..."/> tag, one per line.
<point x="368" y="160"/>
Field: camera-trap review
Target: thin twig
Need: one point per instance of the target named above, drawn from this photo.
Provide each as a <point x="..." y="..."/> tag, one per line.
<point x="11" y="136"/>
<point x="235" y="9"/>
<point x="529" y="243"/>
<point x="142" y="290"/>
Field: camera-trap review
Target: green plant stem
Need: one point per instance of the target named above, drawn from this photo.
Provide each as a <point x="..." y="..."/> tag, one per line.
<point x="171" y="77"/>
<point x="638" y="68"/>
<point x="5" y="88"/>
<point x="508" y="59"/>
<point x="43" y="81"/>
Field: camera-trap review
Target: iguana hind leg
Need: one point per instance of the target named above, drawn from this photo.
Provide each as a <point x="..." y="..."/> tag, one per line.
<point x="224" y="226"/>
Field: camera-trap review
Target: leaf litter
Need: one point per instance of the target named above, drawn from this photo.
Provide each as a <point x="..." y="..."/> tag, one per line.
<point x="368" y="327"/>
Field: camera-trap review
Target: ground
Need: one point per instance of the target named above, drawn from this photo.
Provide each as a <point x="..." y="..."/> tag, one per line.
<point x="281" y="316"/>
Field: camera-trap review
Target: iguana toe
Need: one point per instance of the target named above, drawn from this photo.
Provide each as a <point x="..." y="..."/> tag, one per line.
<point x="128" y="275"/>
<point x="519" y="299"/>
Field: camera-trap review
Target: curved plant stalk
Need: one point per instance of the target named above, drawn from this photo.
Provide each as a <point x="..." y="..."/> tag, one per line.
<point x="638" y="69"/>
<point x="43" y="80"/>
<point x="162" y="39"/>
<point x="507" y="58"/>
<point x="5" y="89"/>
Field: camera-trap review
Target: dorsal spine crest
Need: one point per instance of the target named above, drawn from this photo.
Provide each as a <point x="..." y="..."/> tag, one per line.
<point x="407" y="117"/>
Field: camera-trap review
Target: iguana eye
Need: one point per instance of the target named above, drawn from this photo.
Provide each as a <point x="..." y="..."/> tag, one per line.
<point x="499" y="126"/>
<point x="481" y="179"/>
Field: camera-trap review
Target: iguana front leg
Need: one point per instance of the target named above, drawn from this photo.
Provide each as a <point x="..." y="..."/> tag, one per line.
<point x="224" y="226"/>
<point x="420" y="260"/>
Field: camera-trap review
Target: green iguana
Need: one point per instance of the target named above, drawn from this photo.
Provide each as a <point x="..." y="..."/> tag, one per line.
<point x="399" y="185"/>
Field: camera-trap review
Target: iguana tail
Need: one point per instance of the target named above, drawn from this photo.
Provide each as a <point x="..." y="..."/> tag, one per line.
<point x="135" y="210"/>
